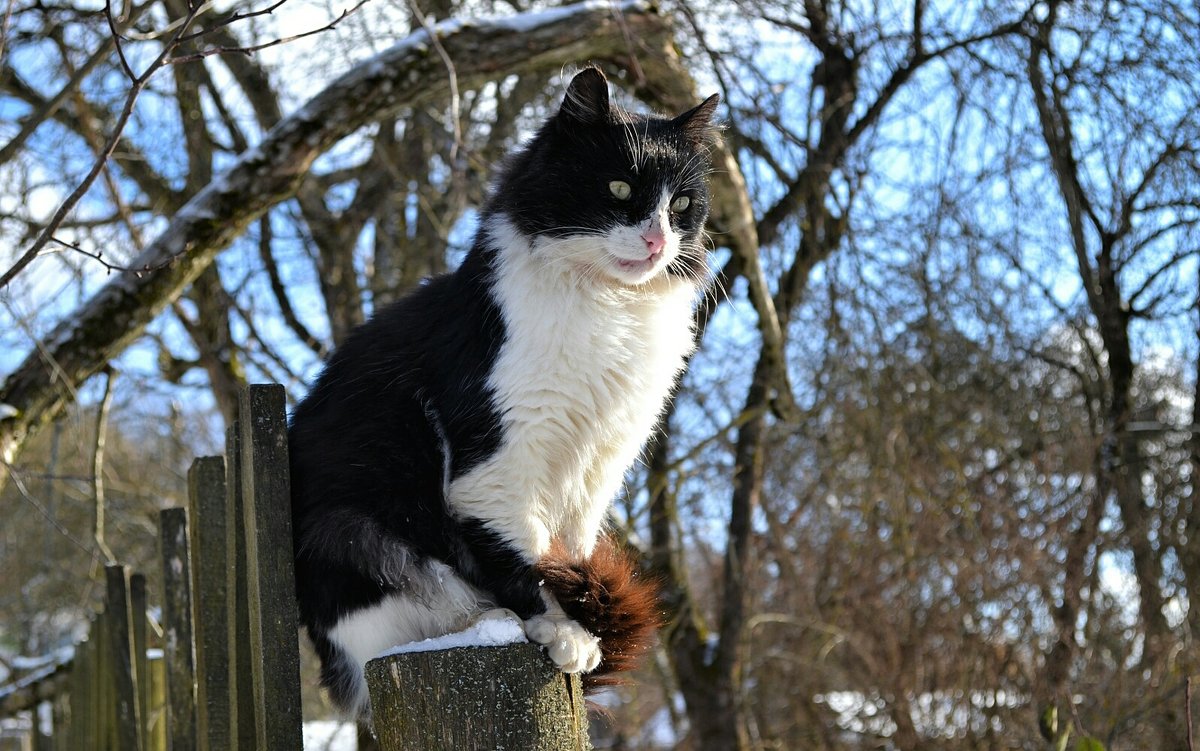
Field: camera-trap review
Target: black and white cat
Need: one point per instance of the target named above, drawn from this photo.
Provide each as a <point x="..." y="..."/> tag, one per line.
<point x="460" y="450"/>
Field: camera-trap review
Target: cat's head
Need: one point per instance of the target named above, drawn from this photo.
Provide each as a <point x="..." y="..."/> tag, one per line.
<point x="618" y="196"/>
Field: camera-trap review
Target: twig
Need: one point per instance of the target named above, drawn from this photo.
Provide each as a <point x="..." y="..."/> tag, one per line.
<point x="210" y="51"/>
<point x="635" y="65"/>
<point x="232" y="19"/>
<point x="137" y="84"/>
<point x="98" y="256"/>
<point x="23" y="491"/>
<point x="277" y="288"/>
<point x="116" y="39"/>
<point x="150" y="36"/>
<point x="21" y="319"/>
<point x="98" y="464"/>
<point x="451" y="73"/>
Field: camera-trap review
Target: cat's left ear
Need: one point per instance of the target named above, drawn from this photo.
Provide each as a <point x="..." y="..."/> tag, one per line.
<point x="587" y="97"/>
<point x="696" y="123"/>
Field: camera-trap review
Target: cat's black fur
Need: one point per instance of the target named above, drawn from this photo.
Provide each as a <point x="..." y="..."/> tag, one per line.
<point x="368" y="444"/>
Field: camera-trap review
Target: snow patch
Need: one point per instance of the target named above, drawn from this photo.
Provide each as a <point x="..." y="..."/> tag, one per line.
<point x="486" y="632"/>
<point x="327" y="735"/>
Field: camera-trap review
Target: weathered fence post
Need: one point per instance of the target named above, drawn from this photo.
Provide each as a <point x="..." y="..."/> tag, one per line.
<point x="158" y="703"/>
<point x="83" y="671"/>
<point x="206" y="530"/>
<point x="141" y="666"/>
<point x="101" y="696"/>
<point x="241" y="682"/>
<point x="177" y="629"/>
<point x="119" y="618"/>
<point x="508" y="698"/>
<point x="266" y="494"/>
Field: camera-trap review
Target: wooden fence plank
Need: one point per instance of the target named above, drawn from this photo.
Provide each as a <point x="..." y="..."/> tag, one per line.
<point x="206" y="530"/>
<point x="241" y="681"/>
<point x="137" y="609"/>
<point x="102" y="687"/>
<point x="41" y="741"/>
<point x="87" y="717"/>
<point x="158" y="703"/>
<point x="177" y="630"/>
<point x="120" y="634"/>
<point x="62" y="722"/>
<point x="272" y="590"/>
<point x="72" y="697"/>
<point x="81" y="718"/>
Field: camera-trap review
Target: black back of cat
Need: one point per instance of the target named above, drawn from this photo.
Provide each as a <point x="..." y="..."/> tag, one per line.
<point x="459" y="451"/>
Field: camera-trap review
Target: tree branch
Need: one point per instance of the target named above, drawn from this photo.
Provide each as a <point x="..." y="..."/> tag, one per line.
<point x="137" y="83"/>
<point x="281" y="298"/>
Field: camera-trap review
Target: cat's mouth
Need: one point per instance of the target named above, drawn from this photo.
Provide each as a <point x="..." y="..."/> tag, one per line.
<point x="642" y="266"/>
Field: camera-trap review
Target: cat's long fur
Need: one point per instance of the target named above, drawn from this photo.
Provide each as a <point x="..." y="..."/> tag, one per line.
<point x="460" y="450"/>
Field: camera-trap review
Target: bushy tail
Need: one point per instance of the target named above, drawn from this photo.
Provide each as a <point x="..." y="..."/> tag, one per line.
<point x="612" y="599"/>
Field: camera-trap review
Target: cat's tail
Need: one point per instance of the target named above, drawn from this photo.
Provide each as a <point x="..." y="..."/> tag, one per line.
<point x="610" y="597"/>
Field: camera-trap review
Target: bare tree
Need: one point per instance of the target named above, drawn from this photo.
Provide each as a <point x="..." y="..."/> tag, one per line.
<point x="930" y="476"/>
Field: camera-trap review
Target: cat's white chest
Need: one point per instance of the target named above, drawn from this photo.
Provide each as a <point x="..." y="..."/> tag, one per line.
<point x="580" y="381"/>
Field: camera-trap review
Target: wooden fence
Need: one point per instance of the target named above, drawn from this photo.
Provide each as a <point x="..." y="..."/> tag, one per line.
<point x="218" y="667"/>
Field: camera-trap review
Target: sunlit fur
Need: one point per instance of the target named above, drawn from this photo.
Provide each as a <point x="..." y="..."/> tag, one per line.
<point x="480" y="427"/>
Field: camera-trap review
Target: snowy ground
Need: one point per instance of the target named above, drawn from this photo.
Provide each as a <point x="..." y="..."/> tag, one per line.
<point x="330" y="736"/>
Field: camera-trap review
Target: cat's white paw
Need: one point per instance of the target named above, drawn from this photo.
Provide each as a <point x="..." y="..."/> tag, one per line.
<point x="567" y="643"/>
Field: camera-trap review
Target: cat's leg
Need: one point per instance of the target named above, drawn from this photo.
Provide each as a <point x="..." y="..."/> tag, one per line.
<point x="434" y="601"/>
<point x="582" y="531"/>
<point x="497" y="566"/>
<point x="350" y="538"/>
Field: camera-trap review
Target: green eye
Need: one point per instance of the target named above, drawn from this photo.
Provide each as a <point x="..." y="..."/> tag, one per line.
<point x="620" y="189"/>
<point x="680" y="204"/>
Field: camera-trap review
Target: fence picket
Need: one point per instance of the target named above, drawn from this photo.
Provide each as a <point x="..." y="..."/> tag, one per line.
<point x="177" y="630"/>
<point x="241" y="681"/>
<point x="119" y="617"/>
<point x="137" y="609"/>
<point x="268" y="527"/>
<point x="207" y="539"/>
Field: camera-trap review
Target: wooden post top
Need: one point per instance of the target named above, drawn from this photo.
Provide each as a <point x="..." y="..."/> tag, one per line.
<point x="504" y="698"/>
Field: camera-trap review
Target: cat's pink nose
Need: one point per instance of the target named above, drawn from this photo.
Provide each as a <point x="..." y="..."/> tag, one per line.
<point x="654" y="241"/>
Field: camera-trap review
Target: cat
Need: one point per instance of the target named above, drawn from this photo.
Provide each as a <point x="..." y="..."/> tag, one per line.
<point x="459" y="451"/>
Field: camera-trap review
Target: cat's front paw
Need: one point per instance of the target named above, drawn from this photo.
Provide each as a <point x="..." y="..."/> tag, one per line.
<point x="569" y="645"/>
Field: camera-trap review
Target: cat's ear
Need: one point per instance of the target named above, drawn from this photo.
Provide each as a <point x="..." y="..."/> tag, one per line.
<point x="697" y="124"/>
<point x="587" y="98"/>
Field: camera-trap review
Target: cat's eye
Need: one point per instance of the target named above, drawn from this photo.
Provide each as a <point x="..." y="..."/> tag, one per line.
<point x="680" y="204"/>
<point x="620" y="189"/>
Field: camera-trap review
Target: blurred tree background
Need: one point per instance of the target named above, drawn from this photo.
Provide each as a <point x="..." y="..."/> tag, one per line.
<point x="931" y="479"/>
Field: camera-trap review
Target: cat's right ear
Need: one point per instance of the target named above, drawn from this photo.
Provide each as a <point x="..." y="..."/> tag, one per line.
<point x="696" y="123"/>
<point x="586" y="101"/>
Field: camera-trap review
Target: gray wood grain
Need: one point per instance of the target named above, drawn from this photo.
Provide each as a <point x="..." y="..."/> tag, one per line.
<point x="119" y="619"/>
<point x="207" y="537"/>
<point x="509" y="698"/>
<point x="177" y="630"/>
<point x="274" y="621"/>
